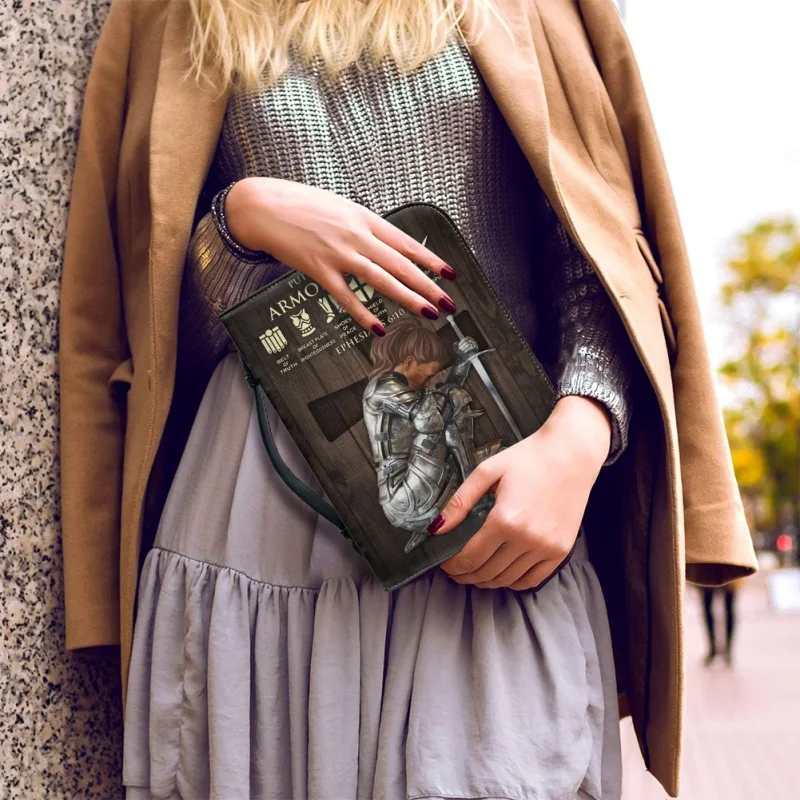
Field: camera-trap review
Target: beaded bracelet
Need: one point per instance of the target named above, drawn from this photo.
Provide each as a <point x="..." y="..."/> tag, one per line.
<point x="218" y="213"/>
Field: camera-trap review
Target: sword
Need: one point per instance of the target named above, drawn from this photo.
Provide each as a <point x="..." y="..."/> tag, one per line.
<point x="487" y="381"/>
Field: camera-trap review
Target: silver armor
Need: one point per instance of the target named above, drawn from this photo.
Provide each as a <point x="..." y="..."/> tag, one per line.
<point x="422" y="443"/>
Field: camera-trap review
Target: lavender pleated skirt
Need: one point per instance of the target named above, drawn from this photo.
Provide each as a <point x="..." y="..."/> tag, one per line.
<point x="268" y="662"/>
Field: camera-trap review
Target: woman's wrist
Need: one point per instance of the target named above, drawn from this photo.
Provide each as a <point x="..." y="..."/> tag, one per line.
<point x="584" y="426"/>
<point x="232" y="209"/>
<point x="236" y="207"/>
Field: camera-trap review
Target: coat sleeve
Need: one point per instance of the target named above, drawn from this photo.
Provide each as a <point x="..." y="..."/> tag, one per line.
<point x="93" y="353"/>
<point x="718" y="543"/>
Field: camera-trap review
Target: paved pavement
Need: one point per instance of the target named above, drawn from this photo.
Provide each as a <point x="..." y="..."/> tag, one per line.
<point x="742" y="739"/>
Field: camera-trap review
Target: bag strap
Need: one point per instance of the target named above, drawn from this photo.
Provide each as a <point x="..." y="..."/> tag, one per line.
<point x="302" y="490"/>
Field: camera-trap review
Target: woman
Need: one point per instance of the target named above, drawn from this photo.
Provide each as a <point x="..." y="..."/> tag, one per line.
<point x="266" y="662"/>
<point x="418" y="456"/>
<point x="429" y="683"/>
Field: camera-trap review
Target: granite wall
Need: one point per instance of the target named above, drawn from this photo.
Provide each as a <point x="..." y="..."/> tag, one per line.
<point x="60" y="725"/>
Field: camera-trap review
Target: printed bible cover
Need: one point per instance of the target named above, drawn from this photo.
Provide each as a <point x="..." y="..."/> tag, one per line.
<point x="392" y="425"/>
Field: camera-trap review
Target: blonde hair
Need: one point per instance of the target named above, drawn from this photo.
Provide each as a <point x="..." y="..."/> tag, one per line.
<point x="243" y="42"/>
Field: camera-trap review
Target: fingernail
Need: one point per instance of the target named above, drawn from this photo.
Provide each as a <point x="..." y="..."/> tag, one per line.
<point x="449" y="273"/>
<point x="447" y="305"/>
<point x="430" y="312"/>
<point x="378" y="329"/>
<point x="436" y="524"/>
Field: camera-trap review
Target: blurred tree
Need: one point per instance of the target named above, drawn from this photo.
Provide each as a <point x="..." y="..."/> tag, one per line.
<point x="762" y="294"/>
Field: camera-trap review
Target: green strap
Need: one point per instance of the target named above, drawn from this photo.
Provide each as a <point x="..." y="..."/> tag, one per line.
<point x="302" y="490"/>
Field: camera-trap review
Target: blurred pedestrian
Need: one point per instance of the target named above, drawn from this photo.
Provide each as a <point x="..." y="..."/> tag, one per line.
<point x="728" y="592"/>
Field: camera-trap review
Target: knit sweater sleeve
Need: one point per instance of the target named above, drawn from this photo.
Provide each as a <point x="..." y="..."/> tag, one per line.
<point x="218" y="273"/>
<point x="594" y="354"/>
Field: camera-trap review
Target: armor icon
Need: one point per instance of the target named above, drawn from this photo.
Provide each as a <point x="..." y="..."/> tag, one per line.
<point x="363" y="291"/>
<point x="302" y="321"/>
<point x="273" y="340"/>
<point x="330" y="307"/>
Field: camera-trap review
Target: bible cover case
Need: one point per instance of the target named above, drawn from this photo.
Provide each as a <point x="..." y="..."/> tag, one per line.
<point x="390" y="437"/>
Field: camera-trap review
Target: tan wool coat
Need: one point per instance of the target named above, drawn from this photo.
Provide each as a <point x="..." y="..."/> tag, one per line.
<point x="570" y="90"/>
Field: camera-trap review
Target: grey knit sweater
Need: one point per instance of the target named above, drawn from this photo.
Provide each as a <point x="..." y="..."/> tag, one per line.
<point x="383" y="138"/>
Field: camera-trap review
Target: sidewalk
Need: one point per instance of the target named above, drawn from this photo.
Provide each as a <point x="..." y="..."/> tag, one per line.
<point x="742" y="736"/>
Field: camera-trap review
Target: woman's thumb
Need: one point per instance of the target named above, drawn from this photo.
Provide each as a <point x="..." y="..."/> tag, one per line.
<point x="479" y="481"/>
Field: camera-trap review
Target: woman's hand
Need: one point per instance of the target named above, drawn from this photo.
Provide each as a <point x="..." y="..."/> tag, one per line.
<point x="326" y="236"/>
<point x="541" y="487"/>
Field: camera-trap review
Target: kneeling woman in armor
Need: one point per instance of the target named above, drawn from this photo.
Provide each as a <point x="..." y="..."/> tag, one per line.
<point x="422" y="438"/>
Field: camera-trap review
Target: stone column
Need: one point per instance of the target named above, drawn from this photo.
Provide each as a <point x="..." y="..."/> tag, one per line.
<point x="60" y="720"/>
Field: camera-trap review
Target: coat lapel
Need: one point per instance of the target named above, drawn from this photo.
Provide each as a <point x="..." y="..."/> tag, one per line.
<point x="186" y="123"/>
<point x="510" y="68"/>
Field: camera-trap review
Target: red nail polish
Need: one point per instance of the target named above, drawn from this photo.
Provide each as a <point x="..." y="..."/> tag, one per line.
<point x="446" y="304"/>
<point x="436" y="524"/>
<point x="378" y="329"/>
<point x="449" y="273"/>
<point x="430" y="312"/>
